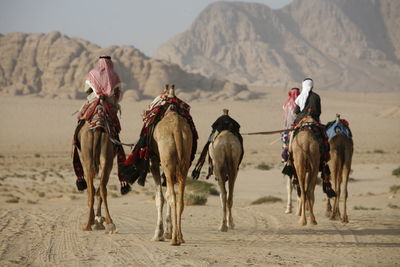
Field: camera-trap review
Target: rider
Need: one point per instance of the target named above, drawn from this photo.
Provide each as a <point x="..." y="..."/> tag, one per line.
<point x="289" y="116"/>
<point x="102" y="86"/>
<point x="309" y="104"/>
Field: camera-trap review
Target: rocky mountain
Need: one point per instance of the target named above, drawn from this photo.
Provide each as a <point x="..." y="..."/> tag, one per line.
<point x="342" y="44"/>
<point x="56" y="65"/>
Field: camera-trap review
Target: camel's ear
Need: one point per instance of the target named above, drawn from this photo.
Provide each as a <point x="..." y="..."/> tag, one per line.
<point x="337" y="117"/>
<point x="166" y="86"/>
<point x="173" y="86"/>
<point x="225" y="111"/>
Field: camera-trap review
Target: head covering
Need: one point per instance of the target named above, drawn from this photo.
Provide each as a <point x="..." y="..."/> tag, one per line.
<point x="103" y="79"/>
<point x="289" y="106"/>
<point x="307" y="85"/>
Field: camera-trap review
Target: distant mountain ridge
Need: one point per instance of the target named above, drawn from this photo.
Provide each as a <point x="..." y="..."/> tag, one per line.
<point x="349" y="45"/>
<point x="55" y="65"/>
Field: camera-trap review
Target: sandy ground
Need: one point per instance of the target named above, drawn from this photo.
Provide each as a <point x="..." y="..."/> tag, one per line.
<point x="42" y="213"/>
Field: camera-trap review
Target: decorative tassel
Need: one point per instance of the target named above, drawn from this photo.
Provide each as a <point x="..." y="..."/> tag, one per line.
<point x="81" y="184"/>
<point x="288" y="170"/>
<point x="125" y="189"/>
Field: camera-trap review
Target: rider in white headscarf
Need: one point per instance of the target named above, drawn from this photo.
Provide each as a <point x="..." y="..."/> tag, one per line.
<point x="308" y="102"/>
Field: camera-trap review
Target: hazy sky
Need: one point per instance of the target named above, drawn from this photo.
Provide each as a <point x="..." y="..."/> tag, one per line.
<point x="145" y="24"/>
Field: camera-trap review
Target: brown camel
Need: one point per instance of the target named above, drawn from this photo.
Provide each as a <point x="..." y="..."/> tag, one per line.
<point x="172" y="147"/>
<point x="306" y="158"/>
<point x="225" y="153"/>
<point x="97" y="154"/>
<point x="341" y="151"/>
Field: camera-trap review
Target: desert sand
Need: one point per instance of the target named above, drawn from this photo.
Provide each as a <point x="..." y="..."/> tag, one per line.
<point x="42" y="213"/>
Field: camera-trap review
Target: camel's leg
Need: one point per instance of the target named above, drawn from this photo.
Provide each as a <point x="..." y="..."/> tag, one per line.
<point x="231" y="184"/>
<point x="87" y="146"/>
<point x="91" y="193"/>
<point x="346" y="172"/>
<point x="168" y="220"/>
<point x="159" y="232"/>
<point x="301" y="175"/>
<point x="106" y="164"/>
<point x="181" y="205"/>
<point x="221" y="181"/>
<point x="311" y="193"/>
<point x="289" y="189"/>
<point x="336" y="179"/>
<point x="172" y="203"/>
<point x="98" y="220"/>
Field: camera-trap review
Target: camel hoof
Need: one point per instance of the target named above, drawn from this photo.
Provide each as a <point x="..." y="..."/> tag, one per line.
<point x="303" y="222"/>
<point x="87" y="228"/>
<point x="288" y="211"/>
<point x="175" y="243"/>
<point x="345" y="219"/>
<point x="223" y="228"/>
<point x="314" y="222"/>
<point x="167" y="235"/>
<point x="98" y="226"/>
<point x="158" y="237"/>
<point x="110" y="228"/>
<point x="231" y="226"/>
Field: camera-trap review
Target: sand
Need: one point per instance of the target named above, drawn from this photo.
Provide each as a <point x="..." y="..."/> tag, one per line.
<point x="42" y="213"/>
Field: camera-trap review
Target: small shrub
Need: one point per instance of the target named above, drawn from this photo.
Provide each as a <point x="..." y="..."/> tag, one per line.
<point x="267" y="199"/>
<point x="214" y="192"/>
<point x="195" y="199"/>
<point x="379" y="151"/>
<point x="394" y="189"/>
<point x="396" y="172"/>
<point x="41" y="194"/>
<point x="12" y="200"/>
<point x="263" y="166"/>
<point x="201" y="187"/>
<point x="37" y="155"/>
<point x="393" y="206"/>
<point x="364" y="208"/>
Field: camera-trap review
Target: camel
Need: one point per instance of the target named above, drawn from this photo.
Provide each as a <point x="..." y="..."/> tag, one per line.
<point x="341" y="151"/>
<point x="97" y="154"/>
<point x="225" y="153"/>
<point x="306" y="158"/>
<point x="171" y="146"/>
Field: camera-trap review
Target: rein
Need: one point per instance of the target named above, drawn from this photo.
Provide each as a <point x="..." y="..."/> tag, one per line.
<point x="270" y="132"/>
<point x="108" y="129"/>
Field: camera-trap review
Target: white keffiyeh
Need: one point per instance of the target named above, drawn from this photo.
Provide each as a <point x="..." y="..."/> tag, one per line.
<point x="302" y="98"/>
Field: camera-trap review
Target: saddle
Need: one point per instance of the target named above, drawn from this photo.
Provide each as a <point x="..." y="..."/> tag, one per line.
<point x="338" y="126"/>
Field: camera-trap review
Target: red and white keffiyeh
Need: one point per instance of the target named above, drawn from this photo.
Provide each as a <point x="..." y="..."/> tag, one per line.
<point x="103" y="79"/>
<point x="289" y="107"/>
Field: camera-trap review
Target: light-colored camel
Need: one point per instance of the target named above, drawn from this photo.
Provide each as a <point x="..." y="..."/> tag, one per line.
<point x="172" y="145"/>
<point x="97" y="154"/>
<point x="306" y="158"/>
<point x="341" y="151"/>
<point x="225" y="153"/>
